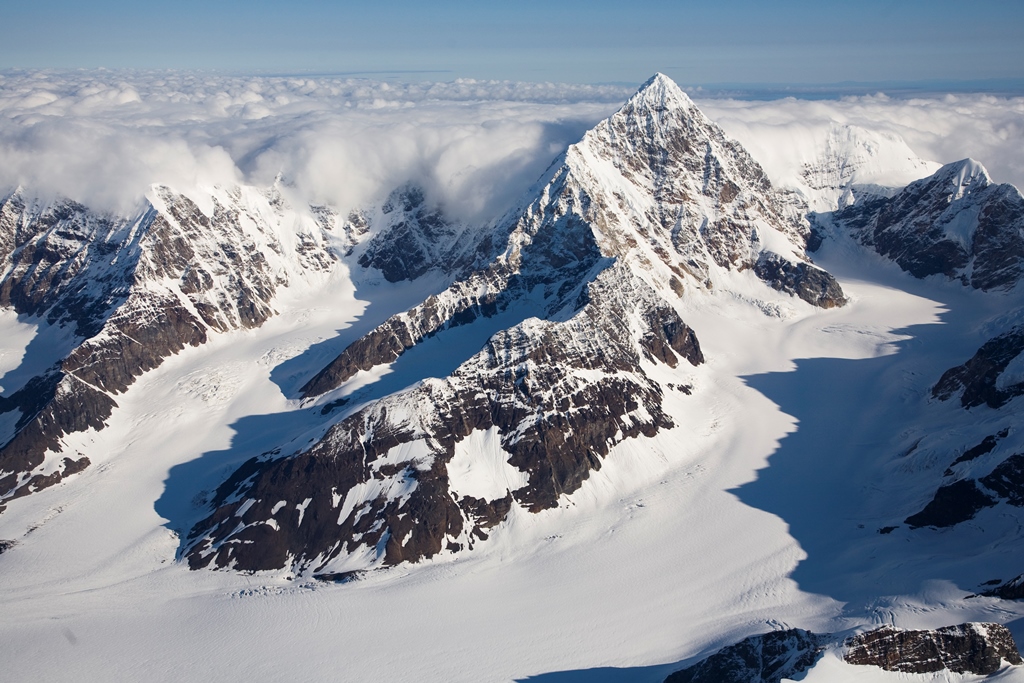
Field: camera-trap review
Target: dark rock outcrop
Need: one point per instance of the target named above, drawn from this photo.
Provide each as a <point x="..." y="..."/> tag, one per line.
<point x="812" y="284"/>
<point x="766" y="658"/>
<point x="987" y="445"/>
<point x="1010" y="590"/>
<point x="967" y="648"/>
<point x="962" y="500"/>
<point x="769" y="658"/>
<point x="952" y="504"/>
<point x="417" y="238"/>
<point x="1007" y="480"/>
<point x="977" y="381"/>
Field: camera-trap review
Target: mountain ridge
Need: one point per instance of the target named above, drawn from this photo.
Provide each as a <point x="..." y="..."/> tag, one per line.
<point x="617" y="215"/>
<point x="134" y="291"/>
<point x="955" y="223"/>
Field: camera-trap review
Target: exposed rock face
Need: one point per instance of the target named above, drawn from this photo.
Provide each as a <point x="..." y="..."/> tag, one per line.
<point x="134" y="290"/>
<point x="812" y="284"/>
<point x="713" y="206"/>
<point x="415" y="239"/>
<point x="769" y="658"/>
<point x="1007" y="480"/>
<point x="593" y="262"/>
<point x="952" y="504"/>
<point x="956" y="223"/>
<point x="1011" y="590"/>
<point x="962" y="500"/>
<point x="967" y="648"/>
<point x="980" y="379"/>
<point x="766" y="658"/>
<point x="559" y="394"/>
<point x="992" y="377"/>
<point x="987" y="445"/>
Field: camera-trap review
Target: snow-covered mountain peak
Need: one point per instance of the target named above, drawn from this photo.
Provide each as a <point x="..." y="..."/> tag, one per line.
<point x="661" y="185"/>
<point x="569" y="334"/>
<point x="963" y="177"/>
<point x="956" y="222"/>
<point x="657" y="111"/>
<point x="851" y="163"/>
<point x="658" y="93"/>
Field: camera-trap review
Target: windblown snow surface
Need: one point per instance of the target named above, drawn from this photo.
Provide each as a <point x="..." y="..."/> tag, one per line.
<point x="671" y="550"/>
<point x="754" y="513"/>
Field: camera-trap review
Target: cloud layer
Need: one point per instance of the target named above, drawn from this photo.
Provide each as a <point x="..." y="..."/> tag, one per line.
<point x="942" y="129"/>
<point x="103" y="137"/>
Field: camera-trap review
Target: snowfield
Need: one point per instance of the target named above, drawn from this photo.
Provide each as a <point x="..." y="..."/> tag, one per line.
<point x="661" y="557"/>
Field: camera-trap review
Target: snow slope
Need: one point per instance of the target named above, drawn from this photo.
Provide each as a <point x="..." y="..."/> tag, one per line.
<point x="657" y="545"/>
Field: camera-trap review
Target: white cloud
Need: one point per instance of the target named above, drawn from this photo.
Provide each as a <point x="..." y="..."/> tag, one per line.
<point x="104" y="137"/>
<point x="943" y="129"/>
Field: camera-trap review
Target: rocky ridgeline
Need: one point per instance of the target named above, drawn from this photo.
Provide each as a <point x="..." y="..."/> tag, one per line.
<point x="981" y="379"/>
<point x="560" y="394"/>
<point x="958" y="224"/>
<point x="657" y="184"/>
<point x="652" y="201"/>
<point x="972" y="648"/>
<point x="669" y="190"/>
<point x="961" y="500"/>
<point x="955" y="223"/>
<point x="133" y="291"/>
<point x="766" y="658"/>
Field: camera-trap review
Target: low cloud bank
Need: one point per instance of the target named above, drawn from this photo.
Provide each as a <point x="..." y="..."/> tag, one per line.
<point x="103" y="137"/>
<point x="942" y="129"/>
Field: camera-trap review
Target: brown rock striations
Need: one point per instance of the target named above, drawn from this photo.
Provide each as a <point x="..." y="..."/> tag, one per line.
<point x="787" y="655"/>
<point x="966" y="648"/>
<point x="559" y="394"/>
<point x="134" y="291"/>
<point x="597" y="255"/>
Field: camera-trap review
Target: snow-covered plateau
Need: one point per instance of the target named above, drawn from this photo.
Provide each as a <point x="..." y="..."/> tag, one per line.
<point x="670" y="414"/>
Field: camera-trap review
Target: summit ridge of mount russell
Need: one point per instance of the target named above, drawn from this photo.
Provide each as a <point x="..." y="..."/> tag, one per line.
<point x="580" y="308"/>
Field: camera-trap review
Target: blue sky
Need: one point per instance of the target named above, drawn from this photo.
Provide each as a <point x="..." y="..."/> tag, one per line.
<point x="783" y="41"/>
